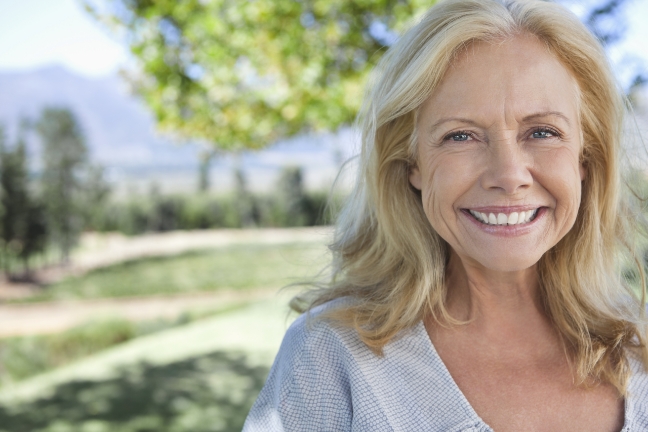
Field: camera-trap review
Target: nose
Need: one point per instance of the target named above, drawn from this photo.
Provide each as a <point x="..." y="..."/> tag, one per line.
<point x="507" y="167"/>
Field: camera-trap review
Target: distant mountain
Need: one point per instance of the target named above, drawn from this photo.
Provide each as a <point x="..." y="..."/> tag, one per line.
<point x="121" y="135"/>
<point x="119" y="130"/>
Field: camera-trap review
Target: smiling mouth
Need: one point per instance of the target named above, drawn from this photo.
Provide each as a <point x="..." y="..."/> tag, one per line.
<point x="514" y="218"/>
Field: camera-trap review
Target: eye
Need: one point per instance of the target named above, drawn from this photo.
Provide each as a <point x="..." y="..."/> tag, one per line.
<point x="457" y="136"/>
<point x="544" y="133"/>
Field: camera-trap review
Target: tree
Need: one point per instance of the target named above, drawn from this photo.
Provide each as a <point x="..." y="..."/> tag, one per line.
<point x="241" y="74"/>
<point x="35" y="235"/>
<point x="15" y="198"/>
<point x="95" y="191"/>
<point x="243" y="200"/>
<point x="23" y="221"/>
<point x="205" y="160"/>
<point x="64" y="155"/>
<point x="291" y="196"/>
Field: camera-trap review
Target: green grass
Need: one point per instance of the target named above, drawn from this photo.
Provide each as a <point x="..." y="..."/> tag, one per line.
<point x="26" y="356"/>
<point x="240" y="267"/>
<point x="198" y="377"/>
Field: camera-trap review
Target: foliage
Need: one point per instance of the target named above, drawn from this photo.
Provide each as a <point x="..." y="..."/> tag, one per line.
<point x="245" y="73"/>
<point x="246" y="209"/>
<point x="69" y="197"/>
<point x="288" y="205"/>
<point x="23" y="227"/>
<point x="208" y="270"/>
<point x="95" y="193"/>
<point x="13" y="179"/>
<point x="64" y="154"/>
<point x="36" y="234"/>
<point x="205" y="159"/>
<point x="293" y="197"/>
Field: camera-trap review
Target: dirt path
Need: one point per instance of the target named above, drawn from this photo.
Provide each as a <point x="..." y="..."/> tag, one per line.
<point x="53" y="317"/>
<point x="98" y="250"/>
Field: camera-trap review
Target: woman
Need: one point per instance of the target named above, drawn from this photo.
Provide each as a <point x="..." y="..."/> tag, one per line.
<point x="476" y="276"/>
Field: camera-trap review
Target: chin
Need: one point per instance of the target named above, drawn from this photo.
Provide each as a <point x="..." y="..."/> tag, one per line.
<point x="507" y="263"/>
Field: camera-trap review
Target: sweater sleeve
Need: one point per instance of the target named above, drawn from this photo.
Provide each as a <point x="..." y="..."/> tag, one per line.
<point x="308" y="387"/>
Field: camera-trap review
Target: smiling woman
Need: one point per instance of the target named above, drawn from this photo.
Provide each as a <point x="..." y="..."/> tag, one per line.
<point x="475" y="280"/>
<point x="500" y="137"/>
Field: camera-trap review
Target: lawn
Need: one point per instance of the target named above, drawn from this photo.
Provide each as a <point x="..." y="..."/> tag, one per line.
<point x="25" y="356"/>
<point x="191" y="375"/>
<point x="238" y="267"/>
<point x="199" y="377"/>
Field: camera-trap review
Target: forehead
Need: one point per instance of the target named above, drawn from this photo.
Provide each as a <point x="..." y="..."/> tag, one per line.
<point x="516" y="76"/>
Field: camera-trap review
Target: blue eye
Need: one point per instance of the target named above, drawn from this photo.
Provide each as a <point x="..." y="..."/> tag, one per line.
<point x="457" y="136"/>
<point x="544" y="133"/>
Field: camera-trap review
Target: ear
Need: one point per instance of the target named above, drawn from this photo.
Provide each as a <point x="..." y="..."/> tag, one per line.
<point x="415" y="177"/>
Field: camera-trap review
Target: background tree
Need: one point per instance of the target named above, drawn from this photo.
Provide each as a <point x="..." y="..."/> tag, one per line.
<point x="292" y="197"/>
<point x="35" y="235"/>
<point x="244" y="200"/>
<point x="204" y="165"/>
<point x="15" y="197"/>
<point x="245" y="73"/>
<point x="95" y="192"/>
<point x="64" y="155"/>
<point x="24" y="233"/>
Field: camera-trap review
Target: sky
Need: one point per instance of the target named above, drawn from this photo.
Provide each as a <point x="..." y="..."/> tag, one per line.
<point x="37" y="33"/>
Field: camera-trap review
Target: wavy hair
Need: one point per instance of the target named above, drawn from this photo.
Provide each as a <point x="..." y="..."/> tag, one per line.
<point x="390" y="264"/>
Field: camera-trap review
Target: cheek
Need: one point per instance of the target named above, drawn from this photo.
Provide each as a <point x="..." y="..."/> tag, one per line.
<point x="561" y="174"/>
<point x="445" y="181"/>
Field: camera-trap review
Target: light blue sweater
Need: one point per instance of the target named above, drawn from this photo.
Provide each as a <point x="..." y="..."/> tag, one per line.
<point x="326" y="379"/>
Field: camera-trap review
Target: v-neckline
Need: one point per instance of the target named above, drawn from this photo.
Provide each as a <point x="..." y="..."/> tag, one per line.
<point x="470" y="411"/>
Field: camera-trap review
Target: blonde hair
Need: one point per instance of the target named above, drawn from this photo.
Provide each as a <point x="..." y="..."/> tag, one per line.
<point x="389" y="262"/>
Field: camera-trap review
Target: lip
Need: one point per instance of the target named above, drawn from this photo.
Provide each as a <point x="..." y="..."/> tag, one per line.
<point x="506" y="230"/>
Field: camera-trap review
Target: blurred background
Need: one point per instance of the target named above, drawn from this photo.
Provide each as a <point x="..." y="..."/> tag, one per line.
<point x="166" y="167"/>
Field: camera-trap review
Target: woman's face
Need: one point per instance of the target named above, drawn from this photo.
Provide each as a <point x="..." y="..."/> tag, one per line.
<point x="498" y="154"/>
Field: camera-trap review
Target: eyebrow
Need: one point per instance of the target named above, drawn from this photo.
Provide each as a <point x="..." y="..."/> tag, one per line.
<point x="449" y="119"/>
<point x="547" y="114"/>
<point x="525" y="119"/>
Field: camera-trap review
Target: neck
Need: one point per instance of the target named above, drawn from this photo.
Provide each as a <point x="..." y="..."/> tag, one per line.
<point x="499" y="306"/>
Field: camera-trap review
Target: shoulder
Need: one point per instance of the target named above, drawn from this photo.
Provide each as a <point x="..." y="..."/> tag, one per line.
<point x="308" y="387"/>
<point x="325" y="378"/>
<point x="637" y="398"/>
<point x="316" y="352"/>
<point x="313" y="333"/>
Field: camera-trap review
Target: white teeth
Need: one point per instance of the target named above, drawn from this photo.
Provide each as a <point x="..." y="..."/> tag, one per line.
<point x="478" y="216"/>
<point x="513" y="218"/>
